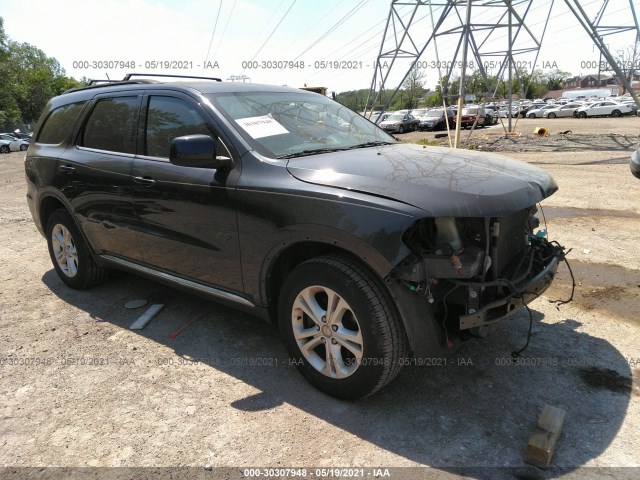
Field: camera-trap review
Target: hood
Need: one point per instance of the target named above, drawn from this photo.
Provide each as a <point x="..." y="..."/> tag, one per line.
<point x="441" y="181"/>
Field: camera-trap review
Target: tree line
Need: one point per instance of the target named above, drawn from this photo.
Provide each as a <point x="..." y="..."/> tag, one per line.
<point x="414" y="94"/>
<point x="28" y="79"/>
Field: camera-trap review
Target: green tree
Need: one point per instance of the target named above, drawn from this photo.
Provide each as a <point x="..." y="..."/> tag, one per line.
<point x="556" y="78"/>
<point x="28" y="79"/>
<point x="413" y="87"/>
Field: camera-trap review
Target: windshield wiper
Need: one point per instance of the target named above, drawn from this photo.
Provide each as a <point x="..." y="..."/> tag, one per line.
<point x="370" y="144"/>
<point x="312" y="151"/>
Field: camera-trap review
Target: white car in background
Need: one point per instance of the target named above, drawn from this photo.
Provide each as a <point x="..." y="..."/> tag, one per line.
<point x="538" y="112"/>
<point x="14" y="144"/>
<point x="561" y="111"/>
<point x="605" y="108"/>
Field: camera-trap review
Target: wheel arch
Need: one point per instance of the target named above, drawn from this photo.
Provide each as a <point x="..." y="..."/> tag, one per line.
<point x="289" y="254"/>
<point x="51" y="202"/>
<point x="48" y="205"/>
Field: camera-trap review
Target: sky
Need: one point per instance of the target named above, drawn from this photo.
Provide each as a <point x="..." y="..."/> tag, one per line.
<point x="330" y="43"/>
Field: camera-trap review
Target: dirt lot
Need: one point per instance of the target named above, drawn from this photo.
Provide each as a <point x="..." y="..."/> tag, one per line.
<point x="203" y="385"/>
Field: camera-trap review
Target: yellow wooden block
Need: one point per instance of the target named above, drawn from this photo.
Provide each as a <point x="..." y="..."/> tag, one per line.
<point x="545" y="436"/>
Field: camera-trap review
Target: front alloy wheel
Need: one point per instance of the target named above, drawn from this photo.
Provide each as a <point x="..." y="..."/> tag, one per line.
<point x="327" y="332"/>
<point x="341" y="327"/>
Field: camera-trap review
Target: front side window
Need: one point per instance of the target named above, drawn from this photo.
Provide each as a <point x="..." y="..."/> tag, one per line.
<point x="58" y="124"/>
<point x="110" y="125"/>
<point x="168" y="118"/>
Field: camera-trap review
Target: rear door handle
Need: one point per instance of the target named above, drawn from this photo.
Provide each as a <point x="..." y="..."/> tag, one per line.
<point x="144" y="181"/>
<point x="68" y="169"/>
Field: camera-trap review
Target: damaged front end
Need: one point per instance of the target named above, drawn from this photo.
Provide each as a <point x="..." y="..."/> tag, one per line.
<point x="473" y="272"/>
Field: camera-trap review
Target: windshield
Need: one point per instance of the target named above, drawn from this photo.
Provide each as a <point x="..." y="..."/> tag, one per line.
<point x="396" y="118"/>
<point x="469" y="111"/>
<point x="289" y="124"/>
<point x="434" y="113"/>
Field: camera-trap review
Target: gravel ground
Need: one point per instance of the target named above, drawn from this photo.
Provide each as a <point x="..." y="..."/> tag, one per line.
<point x="206" y="385"/>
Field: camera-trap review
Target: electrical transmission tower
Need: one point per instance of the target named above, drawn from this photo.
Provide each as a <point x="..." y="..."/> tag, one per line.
<point x="489" y="37"/>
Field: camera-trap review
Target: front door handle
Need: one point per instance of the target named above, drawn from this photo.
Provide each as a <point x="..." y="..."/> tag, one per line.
<point x="144" y="181"/>
<point x="68" y="169"/>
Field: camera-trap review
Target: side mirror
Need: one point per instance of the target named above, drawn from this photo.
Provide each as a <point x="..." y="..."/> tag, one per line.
<point x="196" y="151"/>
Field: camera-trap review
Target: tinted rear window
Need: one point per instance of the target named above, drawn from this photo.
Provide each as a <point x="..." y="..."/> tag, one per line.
<point x="110" y="125"/>
<point x="58" y="123"/>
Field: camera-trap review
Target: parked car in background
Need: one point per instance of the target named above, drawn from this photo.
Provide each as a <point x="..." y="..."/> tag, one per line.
<point x="524" y="109"/>
<point x="435" y="120"/>
<point x="22" y="135"/>
<point x="601" y="109"/>
<point x="5" y="146"/>
<point x="563" y="111"/>
<point x="399" y="123"/>
<point x="635" y="162"/>
<point x="15" y="144"/>
<point x="538" y="112"/>
<point x="491" y="116"/>
<point x="633" y="105"/>
<point x="473" y="112"/>
<point x="419" y="112"/>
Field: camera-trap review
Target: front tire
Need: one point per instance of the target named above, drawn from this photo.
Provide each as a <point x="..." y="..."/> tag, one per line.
<point x="341" y="327"/>
<point x="532" y="115"/>
<point x="401" y="129"/>
<point x="582" y="115"/>
<point x="4" y="149"/>
<point x="70" y="254"/>
<point x="23" y="148"/>
<point x="616" y="113"/>
<point x="552" y="115"/>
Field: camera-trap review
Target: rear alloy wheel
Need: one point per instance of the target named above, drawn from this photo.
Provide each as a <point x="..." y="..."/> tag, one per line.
<point x="4" y="148"/>
<point x="582" y="114"/>
<point x="532" y="115"/>
<point x="552" y="115"/>
<point x="401" y="129"/>
<point x="341" y="327"/>
<point x="23" y="147"/>
<point x="616" y="113"/>
<point x="70" y="254"/>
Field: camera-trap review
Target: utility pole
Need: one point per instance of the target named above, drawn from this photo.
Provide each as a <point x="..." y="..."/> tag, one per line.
<point x="461" y="90"/>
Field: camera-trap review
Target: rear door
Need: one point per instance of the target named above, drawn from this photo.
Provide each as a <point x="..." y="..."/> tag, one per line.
<point x="186" y="216"/>
<point x="94" y="173"/>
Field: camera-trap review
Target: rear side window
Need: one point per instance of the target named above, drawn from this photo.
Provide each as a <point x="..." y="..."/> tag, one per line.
<point x="168" y="118"/>
<point x="58" y="124"/>
<point x="110" y="125"/>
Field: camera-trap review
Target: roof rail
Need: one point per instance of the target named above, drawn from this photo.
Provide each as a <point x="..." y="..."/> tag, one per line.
<point x="128" y="76"/>
<point x="108" y="83"/>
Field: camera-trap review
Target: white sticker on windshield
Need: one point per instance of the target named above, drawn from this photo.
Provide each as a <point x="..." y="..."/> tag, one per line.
<point x="264" y="126"/>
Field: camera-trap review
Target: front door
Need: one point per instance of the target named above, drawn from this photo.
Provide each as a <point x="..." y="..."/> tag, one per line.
<point x="186" y="216"/>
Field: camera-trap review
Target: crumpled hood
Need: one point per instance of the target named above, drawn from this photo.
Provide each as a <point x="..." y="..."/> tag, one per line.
<point x="441" y="181"/>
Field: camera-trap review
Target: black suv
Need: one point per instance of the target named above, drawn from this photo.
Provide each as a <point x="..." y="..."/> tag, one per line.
<point x="366" y="252"/>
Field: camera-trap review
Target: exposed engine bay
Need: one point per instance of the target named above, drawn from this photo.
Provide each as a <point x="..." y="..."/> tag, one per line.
<point x="476" y="271"/>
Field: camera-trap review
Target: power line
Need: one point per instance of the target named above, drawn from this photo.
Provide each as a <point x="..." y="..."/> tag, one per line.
<point x="225" y="28"/>
<point x="274" y="30"/>
<point x="335" y="26"/>
<point x="213" y="32"/>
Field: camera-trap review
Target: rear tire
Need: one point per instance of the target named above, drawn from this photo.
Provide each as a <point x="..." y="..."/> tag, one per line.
<point x="401" y="129"/>
<point x="341" y="327"/>
<point x="552" y="115"/>
<point x="532" y="115"/>
<point x="616" y="113"/>
<point x="4" y="149"/>
<point x="70" y="254"/>
<point x="23" y="148"/>
<point x="582" y="114"/>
